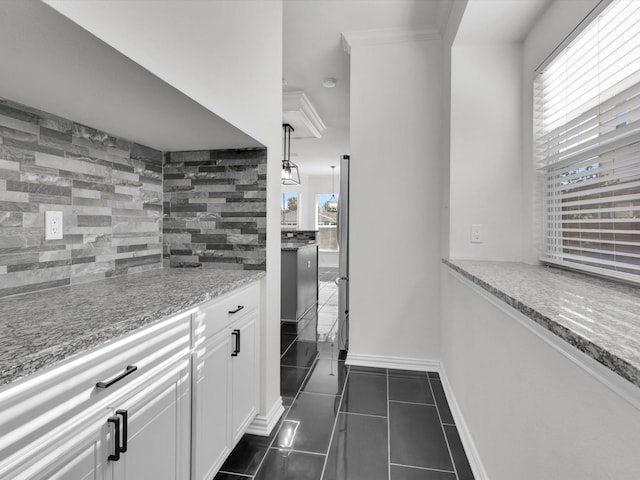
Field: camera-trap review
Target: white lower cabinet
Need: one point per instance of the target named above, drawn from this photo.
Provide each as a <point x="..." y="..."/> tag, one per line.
<point x="244" y="393"/>
<point x="154" y="424"/>
<point x="168" y="402"/>
<point x="211" y="404"/>
<point x="225" y="378"/>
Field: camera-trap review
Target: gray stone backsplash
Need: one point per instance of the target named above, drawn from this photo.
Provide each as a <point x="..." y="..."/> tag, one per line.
<point x="109" y="191"/>
<point x="215" y="209"/>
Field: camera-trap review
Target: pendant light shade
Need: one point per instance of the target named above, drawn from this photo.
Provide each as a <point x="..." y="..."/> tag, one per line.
<point x="290" y="174"/>
<point x="332" y="204"/>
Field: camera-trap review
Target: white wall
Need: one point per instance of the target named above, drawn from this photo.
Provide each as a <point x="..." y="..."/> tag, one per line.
<point x="227" y="56"/>
<point x="395" y="195"/>
<point x="533" y="414"/>
<point x="485" y="170"/>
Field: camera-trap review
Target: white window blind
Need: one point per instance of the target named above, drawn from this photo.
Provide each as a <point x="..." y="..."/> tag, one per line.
<point x="587" y="140"/>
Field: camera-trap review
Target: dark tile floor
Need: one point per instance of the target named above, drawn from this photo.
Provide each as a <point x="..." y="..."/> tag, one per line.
<point x="352" y="423"/>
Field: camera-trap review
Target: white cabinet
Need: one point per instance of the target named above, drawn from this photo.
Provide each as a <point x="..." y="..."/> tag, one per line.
<point x="244" y="396"/>
<point x="167" y="402"/>
<point x="154" y="428"/>
<point x="225" y="377"/>
<point x="211" y="404"/>
<point x="61" y="423"/>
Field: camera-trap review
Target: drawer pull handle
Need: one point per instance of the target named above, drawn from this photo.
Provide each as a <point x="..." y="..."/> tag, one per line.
<point x="116" y="439"/>
<point x="125" y="424"/>
<point x="240" y="307"/>
<point x="236" y="350"/>
<point x="130" y="369"/>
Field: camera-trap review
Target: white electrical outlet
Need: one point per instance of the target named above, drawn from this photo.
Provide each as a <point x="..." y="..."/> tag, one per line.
<point x="476" y="233"/>
<point x="53" y="225"/>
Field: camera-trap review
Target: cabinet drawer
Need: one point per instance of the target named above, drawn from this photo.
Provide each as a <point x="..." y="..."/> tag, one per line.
<point x="217" y="314"/>
<point x="34" y="406"/>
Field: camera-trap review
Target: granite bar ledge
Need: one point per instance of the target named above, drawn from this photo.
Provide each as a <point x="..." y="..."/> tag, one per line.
<point x="38" y="330"/>
<point x="597" y="316"/>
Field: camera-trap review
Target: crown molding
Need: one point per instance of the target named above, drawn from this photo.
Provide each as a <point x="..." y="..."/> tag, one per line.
<point x="385" y="36"/>
<point x="297" y="110"/>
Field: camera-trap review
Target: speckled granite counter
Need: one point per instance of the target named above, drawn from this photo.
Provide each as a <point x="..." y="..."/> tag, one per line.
<point x="597" y="316"/>
<point x="293" y="246"/>
<point x="43" y="328"/>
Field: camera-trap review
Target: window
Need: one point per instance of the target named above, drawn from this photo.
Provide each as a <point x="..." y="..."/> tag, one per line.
<point x="587" y="140"/>
<point x="289" y="211"/>
<point x="327" y="221"/>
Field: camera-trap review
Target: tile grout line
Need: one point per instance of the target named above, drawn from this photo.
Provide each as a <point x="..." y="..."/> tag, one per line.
<point x="335" y="424"/>
<point x="287" y="413"/>
<point x="413" y="403"/>
<point x="453" y="462"/>
<point x="422" y="468"/>
<point x="297" y="451"/>
<point x="365" y="414"/>
<point x="234" y="473"/>
<point x="388" y="430"/>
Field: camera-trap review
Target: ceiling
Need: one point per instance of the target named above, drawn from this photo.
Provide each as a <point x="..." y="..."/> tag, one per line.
<point x="94" y="83"/>
<point x="52" y="64"/>
<point x="313" y="51"/>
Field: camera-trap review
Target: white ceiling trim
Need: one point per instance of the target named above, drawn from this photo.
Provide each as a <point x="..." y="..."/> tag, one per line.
<point x="384" y="36"/>
<point x="298" y="111"/>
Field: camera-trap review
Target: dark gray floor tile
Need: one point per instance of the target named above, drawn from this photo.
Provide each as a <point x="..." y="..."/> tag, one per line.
<point x="288" y="465"/>
<point x="300" y="354"/>
<point x="359" y="449"/>
<point x="289" y="327"/>
<point x="441" y="401"/>
<point x="247" y="455"/>
<point x="328" y="350"/>
<point x="366" y="394"/>
<point x="457" y="451"/>
<point x="309" y="423"/>
<point x="328" y="376"/>
<point x="416" y="437"/>
<point x="291" y="379"/>
<point x="409" y="473"/>
<point x="372" y="370"/>
<point x="286" y="339"/>
<point x="410" y="389"/>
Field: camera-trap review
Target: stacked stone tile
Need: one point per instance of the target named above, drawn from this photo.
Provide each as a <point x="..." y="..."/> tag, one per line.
<point x="215" y="209"/>
<point x="109" y="190"/>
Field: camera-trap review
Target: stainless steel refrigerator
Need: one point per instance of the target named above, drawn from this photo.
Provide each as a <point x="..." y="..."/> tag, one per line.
<point x="343" y="245"/>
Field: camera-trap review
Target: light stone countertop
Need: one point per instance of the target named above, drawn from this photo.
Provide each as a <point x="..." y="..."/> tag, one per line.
<point x="293" y="246"/>
<point x="40" y="329"/>
<point x="599" y="317"/>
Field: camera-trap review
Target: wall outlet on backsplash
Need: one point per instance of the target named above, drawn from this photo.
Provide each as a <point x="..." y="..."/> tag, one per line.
<point x="53" y="225"/>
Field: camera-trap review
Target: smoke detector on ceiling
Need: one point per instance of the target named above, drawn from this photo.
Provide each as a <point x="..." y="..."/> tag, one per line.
<point x="329" y="82"/>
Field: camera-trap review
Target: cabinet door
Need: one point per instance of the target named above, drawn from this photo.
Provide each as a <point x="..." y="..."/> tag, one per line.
<point x="245" y="377"/>
<point x="211" y="404"/>
<point x="157" y="437"/>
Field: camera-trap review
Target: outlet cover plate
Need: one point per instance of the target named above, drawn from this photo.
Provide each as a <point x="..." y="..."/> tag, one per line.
<point x="53" y="225"/>
<point x="476" y="233"/>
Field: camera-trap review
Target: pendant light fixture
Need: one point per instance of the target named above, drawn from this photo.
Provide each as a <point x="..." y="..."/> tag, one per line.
<point x="290" y="174"/>
<point x="332" y="204"/>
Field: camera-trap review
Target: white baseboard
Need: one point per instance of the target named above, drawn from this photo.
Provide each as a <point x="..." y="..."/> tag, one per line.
<point x="470" y="449"/>
<point x="263" y="424"/>
<point x="400" y="363"/>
